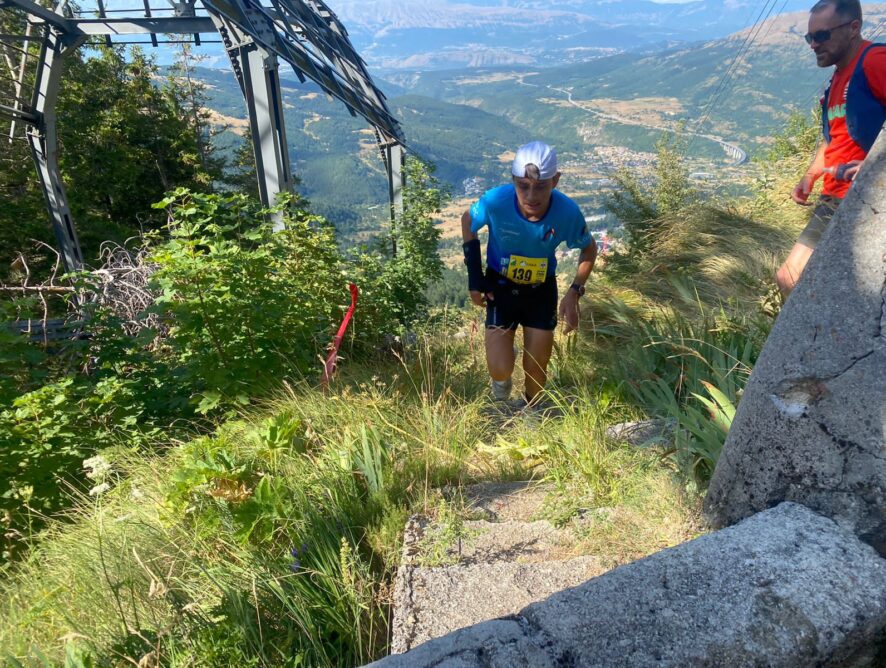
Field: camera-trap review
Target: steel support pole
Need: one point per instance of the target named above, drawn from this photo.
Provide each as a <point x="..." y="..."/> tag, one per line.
<point x="394" y="157"/>
<point x="261" y="88"/>
<point x="258" y="75"/>
<point x="43" y="139"/>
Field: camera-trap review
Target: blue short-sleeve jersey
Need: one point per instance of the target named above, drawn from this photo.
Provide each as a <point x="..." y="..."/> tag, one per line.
<point x="512" y="234"/>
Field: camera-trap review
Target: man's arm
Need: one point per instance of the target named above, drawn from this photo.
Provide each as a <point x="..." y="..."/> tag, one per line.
<point x="586" y="260"/>
<point x="473" y="261"/>
<point x="801" y="191"/>
<point x="466" y="234"/>
<point x="569" y="303"/>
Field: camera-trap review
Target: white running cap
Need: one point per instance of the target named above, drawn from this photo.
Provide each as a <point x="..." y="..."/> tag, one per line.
<point x="535" y="153"/>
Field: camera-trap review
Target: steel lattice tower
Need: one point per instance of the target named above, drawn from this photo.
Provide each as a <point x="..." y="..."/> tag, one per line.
<point x="257" y="35"/>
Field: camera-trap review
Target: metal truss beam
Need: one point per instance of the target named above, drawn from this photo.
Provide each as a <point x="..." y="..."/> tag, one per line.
<point x="140" y="26"/>
<point x="17" y="114"/>
<point x="43" y="139"/>
<point x="304" y="33"/>
<point x="57" y="21"/>
<point x="290" y="42"/>
<point x="394" y="157"/>
<point x="262" y="86"/>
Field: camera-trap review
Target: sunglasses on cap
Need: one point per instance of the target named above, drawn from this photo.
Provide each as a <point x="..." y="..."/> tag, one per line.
<point x="822" y="36"/>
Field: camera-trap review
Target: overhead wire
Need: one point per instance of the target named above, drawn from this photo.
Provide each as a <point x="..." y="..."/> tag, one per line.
<point x="730" y="85"/>
<point x="729" y="67"/>
<point x="751" y="36"/>
<point x="772" y="22"/>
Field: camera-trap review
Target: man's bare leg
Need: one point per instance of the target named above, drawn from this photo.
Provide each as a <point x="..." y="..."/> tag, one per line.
<point x="537" y="347"/>
<point x="500" y="352"/>
<point x="789" y="273"/>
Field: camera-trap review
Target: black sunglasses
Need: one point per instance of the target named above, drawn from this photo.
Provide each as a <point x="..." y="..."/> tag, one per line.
<point x="822" y="36"/>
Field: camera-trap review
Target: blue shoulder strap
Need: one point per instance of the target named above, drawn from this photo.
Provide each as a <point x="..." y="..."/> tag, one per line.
<point x="865" y="114"/>
<point x="863" y="84"/>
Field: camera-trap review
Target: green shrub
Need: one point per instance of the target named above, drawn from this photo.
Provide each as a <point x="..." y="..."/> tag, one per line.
<point x="246" y="305"/>
<point x="23" y="365"/>
<point x="643" y="208"/>
<point x="693" y="371"/>
<point x="394" y="274"/>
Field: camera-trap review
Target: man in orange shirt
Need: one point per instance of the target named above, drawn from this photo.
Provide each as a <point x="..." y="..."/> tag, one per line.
<point x="853" y="111"/>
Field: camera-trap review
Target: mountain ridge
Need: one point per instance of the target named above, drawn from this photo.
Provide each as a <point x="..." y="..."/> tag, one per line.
<point x="440" y="33"/>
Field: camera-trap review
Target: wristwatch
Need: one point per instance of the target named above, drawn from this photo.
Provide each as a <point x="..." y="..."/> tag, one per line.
<point x="580" y="289"/>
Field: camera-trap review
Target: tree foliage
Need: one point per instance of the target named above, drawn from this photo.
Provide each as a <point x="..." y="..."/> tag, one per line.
<point x="126" y="136"/>
<point x="642" y="207"/>
<point x="125" y="140"/>
<point x="394" y="272"/>
<point x="247" y="305"/>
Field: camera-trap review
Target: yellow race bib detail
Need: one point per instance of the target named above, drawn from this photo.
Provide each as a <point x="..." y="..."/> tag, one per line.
<point x="527" y="270"/>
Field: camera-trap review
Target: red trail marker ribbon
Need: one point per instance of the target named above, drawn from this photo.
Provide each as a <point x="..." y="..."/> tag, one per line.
<point x="329" y="366"/>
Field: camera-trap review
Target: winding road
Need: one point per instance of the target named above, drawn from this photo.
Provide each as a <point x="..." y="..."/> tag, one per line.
<point x="738" y="155"/>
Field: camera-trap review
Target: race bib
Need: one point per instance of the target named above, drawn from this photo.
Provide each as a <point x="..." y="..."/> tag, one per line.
<point x="527" y="270"/>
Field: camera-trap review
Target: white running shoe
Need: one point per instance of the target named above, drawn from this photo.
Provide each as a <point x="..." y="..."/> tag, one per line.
<point x="501" y="389"/>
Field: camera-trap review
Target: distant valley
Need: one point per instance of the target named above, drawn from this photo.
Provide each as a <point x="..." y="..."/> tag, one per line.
<point x="600" y="114"/>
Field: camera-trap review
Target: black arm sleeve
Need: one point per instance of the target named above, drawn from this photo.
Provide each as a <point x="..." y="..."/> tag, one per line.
<point x="474" y="263"/>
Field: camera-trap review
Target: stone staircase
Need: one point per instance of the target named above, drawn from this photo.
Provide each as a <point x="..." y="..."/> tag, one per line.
<point x="456" y="572"/>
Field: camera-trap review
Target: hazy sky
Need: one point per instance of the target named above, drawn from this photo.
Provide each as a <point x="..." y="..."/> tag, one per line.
<point x="380" y="29"/>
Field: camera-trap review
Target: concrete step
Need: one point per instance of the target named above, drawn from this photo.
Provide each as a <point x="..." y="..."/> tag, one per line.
<point x="500" y="501"/>
<point x="521" y="542"/>
<point x="431" y="602"/>
<point x="456" y="571"/>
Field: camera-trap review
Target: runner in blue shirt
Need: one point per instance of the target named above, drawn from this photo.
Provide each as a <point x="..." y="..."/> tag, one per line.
<point x="527" y="220"/>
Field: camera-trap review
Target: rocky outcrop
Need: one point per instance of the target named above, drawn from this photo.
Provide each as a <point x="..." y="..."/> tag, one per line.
<point x="810" y="427"/>
<point x="786" y="587"/>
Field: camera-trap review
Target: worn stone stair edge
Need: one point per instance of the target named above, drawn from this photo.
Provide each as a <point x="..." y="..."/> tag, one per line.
<point x="434" y="601"/>
<point x="785" y="587"/>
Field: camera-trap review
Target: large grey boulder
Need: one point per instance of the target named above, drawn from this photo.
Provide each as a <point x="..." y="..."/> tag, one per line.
<point x="810" y="425"/>
<point x="787" y="587"/>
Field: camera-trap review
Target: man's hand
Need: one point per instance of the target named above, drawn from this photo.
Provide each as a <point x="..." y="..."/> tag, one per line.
<point x="801" y="191"/>
<point x="569" y="311"/>
<point x="851" y="170"/>
<point x="479" y="298"/>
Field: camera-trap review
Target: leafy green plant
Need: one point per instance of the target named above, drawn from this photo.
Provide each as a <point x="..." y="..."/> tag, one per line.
<point x="23" y="365"/>
<point x="371" y="459"/>
<point x="693" y="372"/>
<point x="247" y="306"/>
<point x="393" y="274"/>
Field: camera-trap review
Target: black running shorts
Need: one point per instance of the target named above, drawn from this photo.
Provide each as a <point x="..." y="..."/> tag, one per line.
<point x="818" y="222"/>
<point x="528" y="305"/>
